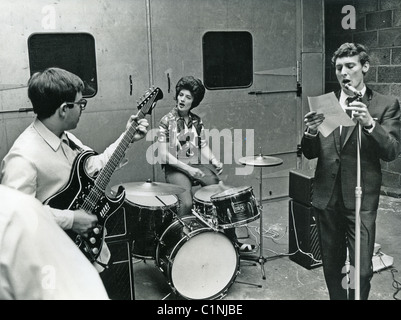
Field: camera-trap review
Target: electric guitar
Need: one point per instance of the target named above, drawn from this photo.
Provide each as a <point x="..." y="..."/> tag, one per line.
<point x="87" y="193"/>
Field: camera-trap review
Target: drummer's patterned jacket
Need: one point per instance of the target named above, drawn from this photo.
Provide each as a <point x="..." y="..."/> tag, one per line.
<point x="182" y="137"/>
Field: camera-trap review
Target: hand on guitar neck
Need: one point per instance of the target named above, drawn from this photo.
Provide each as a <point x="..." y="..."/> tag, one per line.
<point x="140" y="126"/>
<point x="137" y="125"/>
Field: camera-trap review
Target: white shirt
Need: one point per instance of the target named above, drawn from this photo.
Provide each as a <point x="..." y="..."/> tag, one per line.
<point x="38" y="261"/>
<point x="39" y="164"/>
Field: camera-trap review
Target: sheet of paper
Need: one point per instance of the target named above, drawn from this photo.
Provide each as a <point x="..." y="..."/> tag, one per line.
<point x="334" y="115"/>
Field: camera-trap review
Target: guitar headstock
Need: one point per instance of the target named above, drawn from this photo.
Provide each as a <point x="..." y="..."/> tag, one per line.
<point x="148" y="101"/>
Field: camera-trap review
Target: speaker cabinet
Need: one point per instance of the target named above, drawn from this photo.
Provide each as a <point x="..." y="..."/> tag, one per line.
<point x="301" y="186"/>
<point x="304" y="247"/>
<point x="118" y="279"/>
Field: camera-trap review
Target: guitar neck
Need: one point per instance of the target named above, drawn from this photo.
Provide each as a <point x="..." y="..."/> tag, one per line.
<point x="105" y="174"/>
<point x="103" y="179"/>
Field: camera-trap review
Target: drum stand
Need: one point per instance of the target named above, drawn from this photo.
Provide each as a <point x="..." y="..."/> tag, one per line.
<point x="260" y="161"/>
<point x="261" y="259"/>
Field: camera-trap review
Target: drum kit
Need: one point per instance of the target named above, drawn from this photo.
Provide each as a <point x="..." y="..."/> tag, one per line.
<point x="195" y="244"/>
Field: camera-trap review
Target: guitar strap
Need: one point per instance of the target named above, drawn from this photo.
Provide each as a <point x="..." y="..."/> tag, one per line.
<point x="72" y="144"/>
<point x="70" y="148"/>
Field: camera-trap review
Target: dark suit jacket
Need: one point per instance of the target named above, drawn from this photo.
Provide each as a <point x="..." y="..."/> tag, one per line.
<point x="382" y="144"/>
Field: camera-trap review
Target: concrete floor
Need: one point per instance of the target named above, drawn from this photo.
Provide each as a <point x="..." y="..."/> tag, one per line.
<point x="285" y="279"/>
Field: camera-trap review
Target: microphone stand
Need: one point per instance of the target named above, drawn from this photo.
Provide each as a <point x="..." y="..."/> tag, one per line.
<point x="358" y="200"/>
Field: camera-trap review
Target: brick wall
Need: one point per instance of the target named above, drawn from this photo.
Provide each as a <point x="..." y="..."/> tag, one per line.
<point x="378" y="26"/>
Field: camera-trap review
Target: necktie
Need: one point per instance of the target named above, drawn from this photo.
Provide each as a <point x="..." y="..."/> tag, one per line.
<point x="344" y="129"/>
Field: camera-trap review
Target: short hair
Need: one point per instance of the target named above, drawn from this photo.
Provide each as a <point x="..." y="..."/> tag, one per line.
<point x="349" y="50"/>
<point x="195" y="86"/>
<point x="48" y="89"/>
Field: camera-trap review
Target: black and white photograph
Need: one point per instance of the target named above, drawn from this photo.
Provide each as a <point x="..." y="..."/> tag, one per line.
<point x="200" y="157"/>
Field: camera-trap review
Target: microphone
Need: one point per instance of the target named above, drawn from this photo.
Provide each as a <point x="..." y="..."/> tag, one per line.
<point x="353" y="90"/>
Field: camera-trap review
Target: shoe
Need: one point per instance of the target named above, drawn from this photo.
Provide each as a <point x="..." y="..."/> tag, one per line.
<point x="245" y="247"/>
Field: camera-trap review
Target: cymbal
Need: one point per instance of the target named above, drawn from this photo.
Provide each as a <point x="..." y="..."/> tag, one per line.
<point x="150" y="188"/>
<point x="206" y="192"/>
<point x="261" y="161"/>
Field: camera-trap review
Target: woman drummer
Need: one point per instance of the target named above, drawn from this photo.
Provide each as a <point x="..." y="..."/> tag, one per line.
<point x="182" y="144"/>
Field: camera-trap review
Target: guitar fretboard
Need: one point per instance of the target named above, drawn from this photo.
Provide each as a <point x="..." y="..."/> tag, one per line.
<point x="105" y="174"/>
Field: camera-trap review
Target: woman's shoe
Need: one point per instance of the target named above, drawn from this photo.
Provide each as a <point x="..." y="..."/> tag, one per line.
<point x="245" y="247"/>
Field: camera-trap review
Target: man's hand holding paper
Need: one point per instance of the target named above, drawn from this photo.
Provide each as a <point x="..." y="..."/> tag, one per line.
<point x="326" y="114"/>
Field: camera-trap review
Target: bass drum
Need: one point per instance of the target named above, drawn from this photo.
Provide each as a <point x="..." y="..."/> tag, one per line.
<point x="199" y="263"/>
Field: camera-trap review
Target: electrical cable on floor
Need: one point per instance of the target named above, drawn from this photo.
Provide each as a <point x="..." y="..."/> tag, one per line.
<point x="296" y="237"/>
<point x="396" y="284"/>
<point x="276" y="236"/>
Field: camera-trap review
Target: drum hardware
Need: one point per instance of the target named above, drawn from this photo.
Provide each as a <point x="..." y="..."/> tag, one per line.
<point x="260" y="161"/>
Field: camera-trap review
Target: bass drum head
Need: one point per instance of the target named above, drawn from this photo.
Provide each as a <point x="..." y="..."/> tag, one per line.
<point x="205" y="266"/>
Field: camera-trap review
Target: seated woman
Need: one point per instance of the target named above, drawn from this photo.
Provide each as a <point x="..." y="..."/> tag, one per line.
<point x="188" y="158"/>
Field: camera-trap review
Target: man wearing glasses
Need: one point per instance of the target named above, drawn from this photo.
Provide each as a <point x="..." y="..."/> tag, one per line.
<point x="39" y="162"/>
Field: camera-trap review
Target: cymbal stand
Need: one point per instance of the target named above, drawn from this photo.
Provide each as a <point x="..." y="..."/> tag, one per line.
<point x="261" y="259"/>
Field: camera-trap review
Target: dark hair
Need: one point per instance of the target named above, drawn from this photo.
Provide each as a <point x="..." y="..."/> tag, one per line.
<point x="195" y="86"/>
<point x="349" y="50"/>
<point x="48" y="89"/>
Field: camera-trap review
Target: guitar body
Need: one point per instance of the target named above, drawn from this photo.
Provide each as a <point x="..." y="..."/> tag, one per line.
<point x="81" y="186"/>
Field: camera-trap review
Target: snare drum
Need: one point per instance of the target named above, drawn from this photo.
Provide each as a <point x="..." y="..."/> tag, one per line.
<point x="204" y="208"/>
<point x="235" y="207"/>
<point x="150" y="217"/>
<point x="202" y="203"/>
<point x="199" y="263"/>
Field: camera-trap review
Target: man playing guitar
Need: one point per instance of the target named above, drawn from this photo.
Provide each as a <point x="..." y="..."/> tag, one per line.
<point x="40" y="161"/>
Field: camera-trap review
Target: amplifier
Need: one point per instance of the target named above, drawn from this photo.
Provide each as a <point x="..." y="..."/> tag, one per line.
<point x="118" y="278"/>
<point x="301" y="186"/>
<point x="120" y="224"/>
<point x="304" y="247"/>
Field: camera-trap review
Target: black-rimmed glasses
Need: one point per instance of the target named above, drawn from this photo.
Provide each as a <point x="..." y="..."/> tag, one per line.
<point x="82" y="104"/>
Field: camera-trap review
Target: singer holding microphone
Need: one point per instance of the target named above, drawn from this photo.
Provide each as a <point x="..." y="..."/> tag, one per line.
<point x="336" y="171"/>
